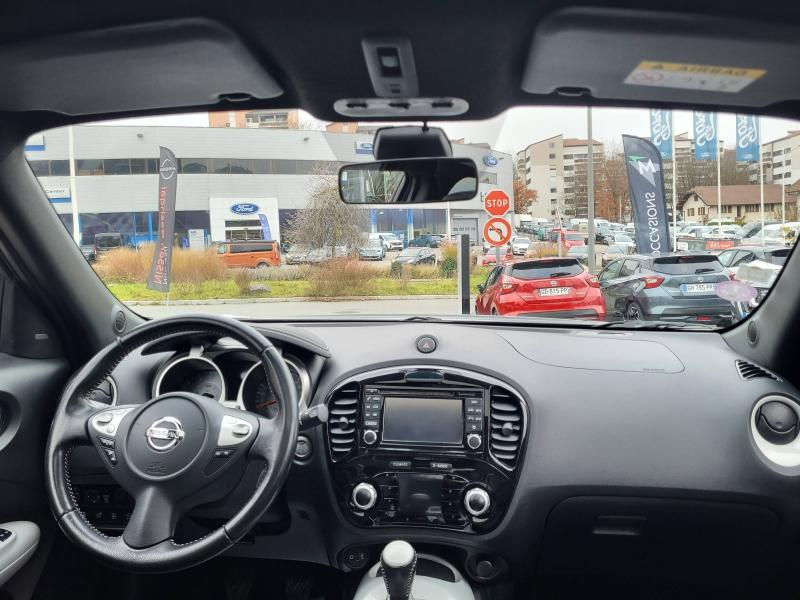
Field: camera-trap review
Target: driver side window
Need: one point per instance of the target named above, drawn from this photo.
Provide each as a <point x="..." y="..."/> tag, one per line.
<point x="743" y="258"/>
<point x="492" y="278"/>
<point x="628" y="268"/>
<point x="611" y="272"/>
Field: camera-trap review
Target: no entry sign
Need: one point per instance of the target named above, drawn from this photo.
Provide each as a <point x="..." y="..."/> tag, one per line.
<point x="497" y="231"/>
<point x="496" y="203"/>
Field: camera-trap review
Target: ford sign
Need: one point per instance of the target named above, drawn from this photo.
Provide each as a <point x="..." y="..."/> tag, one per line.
<point x="244" y="208"/>
<point x="490" y="160"/>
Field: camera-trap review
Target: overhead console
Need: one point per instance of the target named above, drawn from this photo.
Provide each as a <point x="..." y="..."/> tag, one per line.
<point x="435" y="447"/>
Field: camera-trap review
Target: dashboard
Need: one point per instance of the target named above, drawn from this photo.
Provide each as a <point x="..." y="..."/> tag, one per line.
<point x="529" y="449"/>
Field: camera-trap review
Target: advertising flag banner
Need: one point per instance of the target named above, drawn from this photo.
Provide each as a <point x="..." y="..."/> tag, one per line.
<point x="705" y="135"/>
<point x="747" y="138"/>
<point x="646" y="184"/>
<point x="661" y="131"/>
<point x="265" y="226"/>
<point x="159" y="278"/>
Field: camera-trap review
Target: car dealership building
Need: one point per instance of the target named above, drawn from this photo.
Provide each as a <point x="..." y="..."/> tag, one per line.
<point x="226" y="178"/>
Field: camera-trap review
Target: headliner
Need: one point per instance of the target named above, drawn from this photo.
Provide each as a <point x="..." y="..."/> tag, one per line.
<point x="473" y="50"/>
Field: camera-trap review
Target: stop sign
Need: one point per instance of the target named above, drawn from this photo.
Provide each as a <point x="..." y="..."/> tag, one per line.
<point x="496" y="203"/>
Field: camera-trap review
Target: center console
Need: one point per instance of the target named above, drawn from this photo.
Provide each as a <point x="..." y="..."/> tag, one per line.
<point x="435" y="447"/>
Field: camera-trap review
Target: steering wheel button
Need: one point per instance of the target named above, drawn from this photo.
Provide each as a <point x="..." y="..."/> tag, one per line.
<point x="104" y="418"/>
<point x="111" y="455"/>
<point x="241" y="430"/>
<point x="106" y="442"/>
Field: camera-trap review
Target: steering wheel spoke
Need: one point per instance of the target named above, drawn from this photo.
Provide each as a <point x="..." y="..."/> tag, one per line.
<point x="153" y="518"/>
<point x="266" y="445"/>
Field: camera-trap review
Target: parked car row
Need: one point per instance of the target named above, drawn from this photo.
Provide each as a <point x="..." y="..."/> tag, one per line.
<point x="669" y="287"/>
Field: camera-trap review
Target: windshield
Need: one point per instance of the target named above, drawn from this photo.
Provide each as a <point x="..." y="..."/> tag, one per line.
<point x="253" y="224"/>
<point x="411" y="252"/>
<point x="546" y="269"/>
<point x="687" y="265"/>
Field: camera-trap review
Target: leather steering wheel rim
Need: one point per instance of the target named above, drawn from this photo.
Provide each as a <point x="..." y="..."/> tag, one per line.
<point x="273" y="442"/>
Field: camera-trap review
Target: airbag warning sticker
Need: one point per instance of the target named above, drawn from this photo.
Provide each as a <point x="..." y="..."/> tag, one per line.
<point x="685" y="76"/>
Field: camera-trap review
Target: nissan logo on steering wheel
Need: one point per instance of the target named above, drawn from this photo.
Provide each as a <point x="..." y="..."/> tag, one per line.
<point x="164" y="434"/>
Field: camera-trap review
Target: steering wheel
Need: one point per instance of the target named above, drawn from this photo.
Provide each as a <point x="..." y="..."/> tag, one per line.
<point x="170" y="453"/>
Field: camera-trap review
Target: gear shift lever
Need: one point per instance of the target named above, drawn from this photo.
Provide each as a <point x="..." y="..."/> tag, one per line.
<point x="398" y="563"/>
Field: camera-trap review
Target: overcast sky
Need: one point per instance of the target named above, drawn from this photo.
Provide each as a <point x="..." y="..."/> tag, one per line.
<point x="515" y="129"/>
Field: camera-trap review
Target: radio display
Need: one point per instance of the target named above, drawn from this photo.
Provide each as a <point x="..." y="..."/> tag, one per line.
<point x="423" y="420"/>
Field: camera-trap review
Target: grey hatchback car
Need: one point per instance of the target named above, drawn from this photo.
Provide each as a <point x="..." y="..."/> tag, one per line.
<point x="669" y="287"/>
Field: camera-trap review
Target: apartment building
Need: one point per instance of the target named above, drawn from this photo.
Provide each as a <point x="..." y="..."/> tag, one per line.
<point x="781" y="158"/>
<point x="555" y="168"/>
<point x="255" y="119"/>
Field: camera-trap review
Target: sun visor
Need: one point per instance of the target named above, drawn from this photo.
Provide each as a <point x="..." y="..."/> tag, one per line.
<point x="170" y="64"/>
<point x="650" y="56"/>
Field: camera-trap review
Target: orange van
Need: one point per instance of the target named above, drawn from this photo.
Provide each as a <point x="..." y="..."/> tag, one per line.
<point x="249" y="255"/>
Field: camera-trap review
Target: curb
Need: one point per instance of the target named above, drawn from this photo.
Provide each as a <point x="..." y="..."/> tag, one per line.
<point x="289" y="299"/>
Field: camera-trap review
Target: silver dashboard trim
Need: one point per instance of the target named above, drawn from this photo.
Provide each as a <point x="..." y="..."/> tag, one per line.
<point x="470" y="374"/>
<point x="186" y="357"/>
<point x="292" y="363"/>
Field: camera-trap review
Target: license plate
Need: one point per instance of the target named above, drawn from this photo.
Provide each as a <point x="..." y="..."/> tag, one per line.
<point x="557" y="291"/>
<point x="697" y="288"/>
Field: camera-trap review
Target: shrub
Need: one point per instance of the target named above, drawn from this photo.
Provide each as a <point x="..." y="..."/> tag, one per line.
<point x="241" y="277"/>
<point x="542" y="250"/>
<point x="405" y="278"/>
<point x="196" y="266"/>
<point x="341" y="277"/>
<point x="396" y="270"/>
<point x="287" y="273"/>
<point x="128" y="265"/>
<point x="425" y="272"/>
<point x="124" y="265"/>
<point x="449" y="264"/>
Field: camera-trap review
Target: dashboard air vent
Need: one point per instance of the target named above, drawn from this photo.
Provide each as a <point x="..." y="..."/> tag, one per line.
<point x="748" y="371"/>
<point x="506" y="427"/>
<point x="343" y="421"/>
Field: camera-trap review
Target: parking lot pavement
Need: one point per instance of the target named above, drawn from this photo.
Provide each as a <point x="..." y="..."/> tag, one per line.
<point x="406" y="306"/>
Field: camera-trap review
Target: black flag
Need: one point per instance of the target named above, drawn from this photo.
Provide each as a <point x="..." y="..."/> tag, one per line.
<point x="646" y="183"/>
<point x="167" y="188"/>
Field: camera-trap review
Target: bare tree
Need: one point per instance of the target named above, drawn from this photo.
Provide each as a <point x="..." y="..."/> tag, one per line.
<point x="327" y="222"/>
<point x="616" y="181"/>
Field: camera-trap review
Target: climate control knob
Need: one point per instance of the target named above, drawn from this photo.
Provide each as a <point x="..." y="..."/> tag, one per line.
<point x="370" y="437"/>
<point x="477" y="501"/>
<point x="364" y="496"/>
<point x="474" y="441"/>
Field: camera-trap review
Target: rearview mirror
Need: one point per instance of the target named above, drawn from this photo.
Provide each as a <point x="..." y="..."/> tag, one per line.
<point x="481" y="288"/>
<point x="409" y="181"/>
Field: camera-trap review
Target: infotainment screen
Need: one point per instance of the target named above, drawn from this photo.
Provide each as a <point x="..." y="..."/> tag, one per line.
<point x="422" y="420"/>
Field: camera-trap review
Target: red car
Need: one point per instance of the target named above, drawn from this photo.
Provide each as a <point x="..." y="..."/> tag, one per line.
<point x="568" y="239"/>
<point x="490" y="258"/>
<point x="552" y="287"/>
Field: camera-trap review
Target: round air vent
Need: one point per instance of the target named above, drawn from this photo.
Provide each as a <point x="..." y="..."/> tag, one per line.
<point x="774" y="425"/>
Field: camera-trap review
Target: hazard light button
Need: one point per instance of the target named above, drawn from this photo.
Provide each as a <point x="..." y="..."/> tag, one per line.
<point x="426" y="344"/>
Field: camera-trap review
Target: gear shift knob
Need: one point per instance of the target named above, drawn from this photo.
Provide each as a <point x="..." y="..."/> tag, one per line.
<point x="398" y="563"/>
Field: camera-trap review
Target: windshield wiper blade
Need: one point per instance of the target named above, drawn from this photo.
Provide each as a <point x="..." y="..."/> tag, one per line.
<point x="656" y="325"/>
<point x="560" y="274"/>
<point x="421" y="318"/>
<point x="698" y="271"/>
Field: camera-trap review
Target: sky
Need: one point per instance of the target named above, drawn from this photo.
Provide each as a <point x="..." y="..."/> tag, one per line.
<point x="518" y="127"/>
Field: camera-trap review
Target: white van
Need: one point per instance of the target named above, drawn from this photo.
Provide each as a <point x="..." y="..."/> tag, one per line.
<point x="389" y="240"/>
